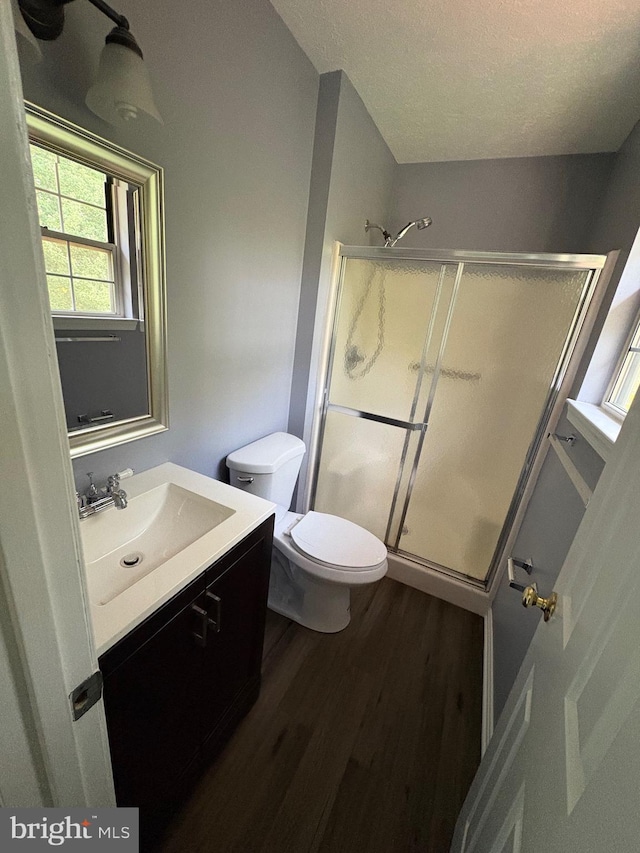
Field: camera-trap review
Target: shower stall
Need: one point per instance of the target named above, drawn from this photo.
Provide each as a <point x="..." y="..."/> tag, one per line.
<point x="443" y="370"/>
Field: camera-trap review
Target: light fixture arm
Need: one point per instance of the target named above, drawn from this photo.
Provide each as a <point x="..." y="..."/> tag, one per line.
<point x="119" y="20"/>
<point x="45" y="18"/>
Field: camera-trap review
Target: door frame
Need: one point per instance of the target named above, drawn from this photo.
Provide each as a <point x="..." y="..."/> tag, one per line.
<point x="46" y="640"/>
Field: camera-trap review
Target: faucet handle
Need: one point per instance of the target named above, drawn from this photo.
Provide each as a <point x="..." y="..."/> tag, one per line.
<point x="92" y="491"/>
<point x="113" y="481"/>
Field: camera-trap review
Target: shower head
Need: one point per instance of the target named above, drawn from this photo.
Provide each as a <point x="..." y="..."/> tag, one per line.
<point x="390" y="240"/>
<point x="420" y="224"/>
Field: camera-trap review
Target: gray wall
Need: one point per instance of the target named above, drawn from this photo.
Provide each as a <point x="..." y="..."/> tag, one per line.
<point x="238" y="97"/>
<point x="352" y="178"/>
<point x="529" y="204"/>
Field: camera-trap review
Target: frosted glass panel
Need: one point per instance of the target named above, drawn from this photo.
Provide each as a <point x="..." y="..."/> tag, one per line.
<point x="383" y="321"/>
<point x="507" y="334"/>
<point x="359" y="470"/>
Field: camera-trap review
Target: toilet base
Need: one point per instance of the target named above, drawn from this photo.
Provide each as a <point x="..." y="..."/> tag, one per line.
<point x="317" y="604"/>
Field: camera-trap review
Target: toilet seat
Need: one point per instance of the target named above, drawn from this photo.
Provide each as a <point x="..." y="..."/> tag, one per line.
<point x="335" y="541"/>
<point x="320" y="569"/>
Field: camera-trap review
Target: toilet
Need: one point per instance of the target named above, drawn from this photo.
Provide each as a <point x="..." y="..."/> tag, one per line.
<point x="317" y="557"/>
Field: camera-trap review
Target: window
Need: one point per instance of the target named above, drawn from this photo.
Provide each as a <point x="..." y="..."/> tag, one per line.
<point x="627" y="379"/>
<point x="84" y="236"/>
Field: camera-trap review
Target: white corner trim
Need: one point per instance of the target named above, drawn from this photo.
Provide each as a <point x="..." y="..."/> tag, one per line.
<point x="487" y="681"/>
<point x="595" y="425"/>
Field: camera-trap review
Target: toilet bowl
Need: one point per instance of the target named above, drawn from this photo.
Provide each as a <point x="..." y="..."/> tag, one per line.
<point x="317" y="557"/>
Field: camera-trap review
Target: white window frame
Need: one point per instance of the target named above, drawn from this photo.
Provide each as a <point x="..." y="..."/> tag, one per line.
<point x="609" y="407"/>
<point x="118" y="215"/>
<point x="112" y="248"/>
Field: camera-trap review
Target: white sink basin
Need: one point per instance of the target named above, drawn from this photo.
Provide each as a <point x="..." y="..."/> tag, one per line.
<point x="178" y="523"/>
<point x="122" y="546"/>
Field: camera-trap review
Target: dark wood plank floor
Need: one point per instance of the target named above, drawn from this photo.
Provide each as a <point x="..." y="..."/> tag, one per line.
<point x="364" y="741"/>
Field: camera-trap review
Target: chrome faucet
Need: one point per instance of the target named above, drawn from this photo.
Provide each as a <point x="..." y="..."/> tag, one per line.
<point x="119" y="495"/>
<point x="95" y="500"/>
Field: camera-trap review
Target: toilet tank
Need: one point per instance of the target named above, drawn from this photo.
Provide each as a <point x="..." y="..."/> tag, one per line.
<point x="268" y="467"/>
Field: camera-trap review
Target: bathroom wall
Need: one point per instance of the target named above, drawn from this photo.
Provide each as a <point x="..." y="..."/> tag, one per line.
<point x="238" y="97"/>
<point x="353" y="172"/>
<point x="524" y="204"/>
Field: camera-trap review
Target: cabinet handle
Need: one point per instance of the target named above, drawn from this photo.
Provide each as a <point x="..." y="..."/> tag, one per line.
<point x="215" y="623"/>
<point x="201" y="639"/>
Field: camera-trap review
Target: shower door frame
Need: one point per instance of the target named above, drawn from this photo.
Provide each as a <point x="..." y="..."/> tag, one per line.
<point x="564" y="373"/>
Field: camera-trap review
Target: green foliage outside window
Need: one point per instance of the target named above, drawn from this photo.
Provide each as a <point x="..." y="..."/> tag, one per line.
<point x="71" y="201"/>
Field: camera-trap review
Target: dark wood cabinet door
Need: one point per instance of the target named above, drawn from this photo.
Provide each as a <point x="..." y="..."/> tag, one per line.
<point x="236" y="600"/>
<point x="153" y="701"/>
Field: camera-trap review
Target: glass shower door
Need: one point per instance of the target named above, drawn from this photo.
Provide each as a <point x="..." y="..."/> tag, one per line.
<point x="440" y="379"/>
<point x="508" y="333"/>
<point x="389" y="320"/>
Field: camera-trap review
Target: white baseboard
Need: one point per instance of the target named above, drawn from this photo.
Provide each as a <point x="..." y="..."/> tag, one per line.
<point x="438" y="584"/>
<point x="487" y="681"/>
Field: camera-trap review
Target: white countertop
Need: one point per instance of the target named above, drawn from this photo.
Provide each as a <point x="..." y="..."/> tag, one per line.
<point x="114" y="620"/>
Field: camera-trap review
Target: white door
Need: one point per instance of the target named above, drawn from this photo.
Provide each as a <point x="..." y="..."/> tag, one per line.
<point x="46" y="646"/>
<point x="562" y="771"/>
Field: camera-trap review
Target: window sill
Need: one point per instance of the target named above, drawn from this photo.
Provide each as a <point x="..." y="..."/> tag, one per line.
<point x="96" y="323"/>
<point x="598" y="428"/>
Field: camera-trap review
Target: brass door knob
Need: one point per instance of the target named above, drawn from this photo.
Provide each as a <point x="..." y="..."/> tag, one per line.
<point x="530" y="598"/>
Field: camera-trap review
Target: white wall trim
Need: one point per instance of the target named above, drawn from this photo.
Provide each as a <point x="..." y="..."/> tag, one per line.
<point x="595" y="425"/>
<point x="438" y="584"/>
<point x="487" y="681"/>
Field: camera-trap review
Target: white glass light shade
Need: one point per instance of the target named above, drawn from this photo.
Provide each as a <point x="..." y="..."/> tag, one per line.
<point x="28" y="46"/>
<point x="122" y="89"/>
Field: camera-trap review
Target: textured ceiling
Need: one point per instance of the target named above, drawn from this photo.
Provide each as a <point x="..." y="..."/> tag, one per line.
<point x="473" y="79"/>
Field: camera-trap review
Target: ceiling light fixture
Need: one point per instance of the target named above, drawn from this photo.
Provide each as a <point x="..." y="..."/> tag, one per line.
<point x="122" y="88"/>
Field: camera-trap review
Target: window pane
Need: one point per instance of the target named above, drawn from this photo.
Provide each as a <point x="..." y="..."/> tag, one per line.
<point x="90" y="262"/>
<point x="84" y="221"/>
<point x="48" y="211"/>
<point x="56" y="258"/>
<point x="44" y="168"/>
<point x="81" y="182"/>
<point x="60" y="293"/>
<point x="93" y="296"/>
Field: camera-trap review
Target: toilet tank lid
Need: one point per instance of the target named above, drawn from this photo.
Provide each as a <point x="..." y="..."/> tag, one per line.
<point x="267" y="454"/>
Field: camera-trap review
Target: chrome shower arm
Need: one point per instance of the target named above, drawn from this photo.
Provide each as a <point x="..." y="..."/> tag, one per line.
<point x="369" y="225"/>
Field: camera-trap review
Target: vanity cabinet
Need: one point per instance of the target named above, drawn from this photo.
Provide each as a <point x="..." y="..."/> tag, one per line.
<point x="176" y="686"/>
